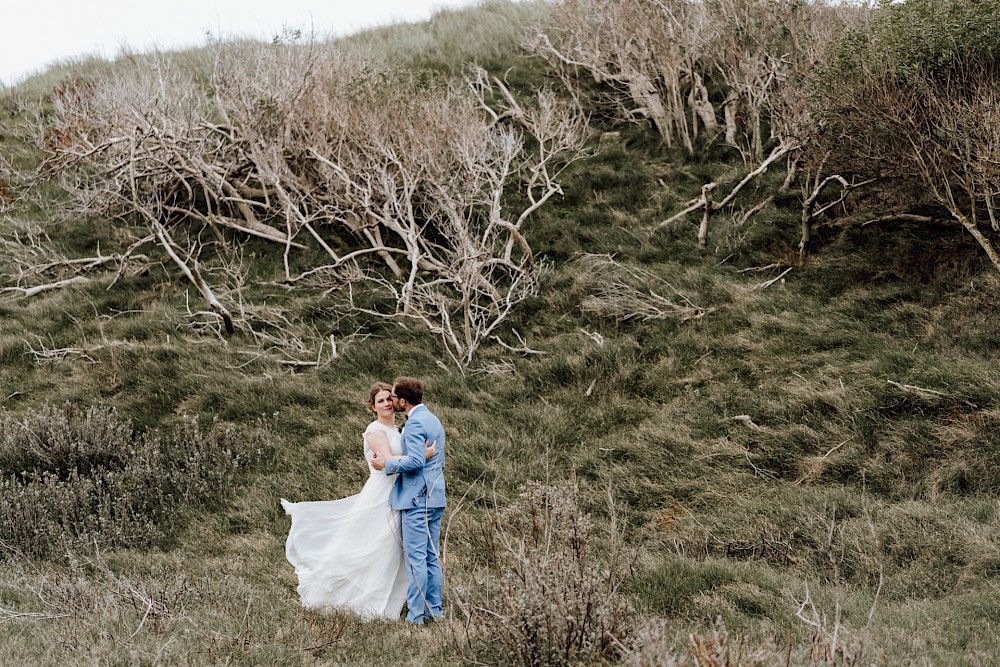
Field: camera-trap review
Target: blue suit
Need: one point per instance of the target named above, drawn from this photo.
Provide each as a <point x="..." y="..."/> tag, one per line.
<point x="420" y="496"/>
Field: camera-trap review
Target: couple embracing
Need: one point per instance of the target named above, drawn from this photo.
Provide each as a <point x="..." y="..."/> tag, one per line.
<point x="369" y="553"/>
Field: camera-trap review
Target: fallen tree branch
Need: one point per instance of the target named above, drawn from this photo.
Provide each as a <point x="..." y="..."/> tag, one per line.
<point x="524" y="349"/>
<point x="38" y="289"/>
<point x="768" y="267"/>
<point x="923" y="390"/>
<point x="618" y="297"/>
<point x="810" y="212"/>
<point x="770" y="282"/>
<point x="904" y="217"/>
<point x="81" y="262"/>
<point x="748" y="422"/>
<point x="691" y="206"/>
<point x="194" y="275"/>
<point x="705" y="201"/>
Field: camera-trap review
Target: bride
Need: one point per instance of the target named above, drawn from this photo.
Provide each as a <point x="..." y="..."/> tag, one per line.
<point x="348" y="553"/>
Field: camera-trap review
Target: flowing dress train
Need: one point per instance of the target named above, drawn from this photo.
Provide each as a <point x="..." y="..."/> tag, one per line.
<point x="348" y="553"/>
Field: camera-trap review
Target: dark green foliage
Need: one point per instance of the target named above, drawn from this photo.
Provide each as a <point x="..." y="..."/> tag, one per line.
<point x="76" y="478"/>
<point x="936" y="34"/>
<point x="908" y="101"/>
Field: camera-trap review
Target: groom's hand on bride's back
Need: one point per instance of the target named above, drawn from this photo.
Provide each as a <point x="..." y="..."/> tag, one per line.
<point x="429" y="450"/>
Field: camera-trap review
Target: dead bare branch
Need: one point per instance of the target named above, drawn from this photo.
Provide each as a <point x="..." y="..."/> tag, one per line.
<point x="405" y="177"/>
<point x="768" y="283"/>
<point x="708" y="206"/>
<point x="923" y="390"/>
<point x="38" y="289"/>
<point x="617" y="296"/>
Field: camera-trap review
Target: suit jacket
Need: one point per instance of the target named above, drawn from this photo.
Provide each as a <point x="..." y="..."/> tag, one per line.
<point x="420" y="483"/>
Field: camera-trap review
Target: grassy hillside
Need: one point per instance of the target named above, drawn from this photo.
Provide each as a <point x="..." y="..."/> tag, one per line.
<point x="810" y="460"/>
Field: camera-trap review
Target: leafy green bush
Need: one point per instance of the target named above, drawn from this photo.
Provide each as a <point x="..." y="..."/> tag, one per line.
<point x="909" y="102"/>
<point x="934" y="33"/>
<point x="74" y="477"/>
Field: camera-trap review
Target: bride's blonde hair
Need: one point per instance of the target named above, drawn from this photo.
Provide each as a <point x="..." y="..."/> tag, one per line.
<point x="373" y="392"/>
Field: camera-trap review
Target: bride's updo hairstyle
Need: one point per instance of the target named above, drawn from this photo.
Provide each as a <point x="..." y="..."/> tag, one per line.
<point x="409" y="389"/>
<point x="373" y="392"/>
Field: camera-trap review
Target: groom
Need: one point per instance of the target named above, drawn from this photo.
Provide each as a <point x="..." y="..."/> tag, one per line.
<point x="419" y="495"/>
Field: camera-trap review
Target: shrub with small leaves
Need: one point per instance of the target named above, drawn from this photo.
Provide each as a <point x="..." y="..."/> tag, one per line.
<point x="546" y="597"/>
<point x="75" y="477"/>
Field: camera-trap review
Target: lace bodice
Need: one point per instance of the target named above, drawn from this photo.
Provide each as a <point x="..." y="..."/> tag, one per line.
<point x="395" y="442"/>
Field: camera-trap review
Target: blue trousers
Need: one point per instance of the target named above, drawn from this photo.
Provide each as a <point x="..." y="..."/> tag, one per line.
<point x="421" y="534"/>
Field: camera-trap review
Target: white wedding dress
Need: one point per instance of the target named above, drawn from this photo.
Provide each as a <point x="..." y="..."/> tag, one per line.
<point x="348" y="553"/>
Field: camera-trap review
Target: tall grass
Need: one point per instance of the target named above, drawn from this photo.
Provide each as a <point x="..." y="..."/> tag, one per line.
<point x="489" y="34"/>
<point x="809" y="458"/>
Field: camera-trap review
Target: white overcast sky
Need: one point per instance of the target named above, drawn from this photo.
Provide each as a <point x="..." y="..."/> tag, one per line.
<point x="36" y="33"/>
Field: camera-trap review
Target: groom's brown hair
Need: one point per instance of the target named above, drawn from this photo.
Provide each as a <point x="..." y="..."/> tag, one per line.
<point x="409" y="389"/>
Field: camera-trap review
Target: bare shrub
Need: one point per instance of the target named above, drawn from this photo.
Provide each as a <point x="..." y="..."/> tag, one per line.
<point x="700" y="70"/>
<point x="77" y="477"/>
<point x="87" y="585"/>
<point x="30" y="261"/>
<point x="934" y="142"/>
<point x="646" y="56"/>
<point x="6" y="191"/>
<point x="400" y="179"/>
<point x="547" y="596"/>
<point x="685" y="66"/>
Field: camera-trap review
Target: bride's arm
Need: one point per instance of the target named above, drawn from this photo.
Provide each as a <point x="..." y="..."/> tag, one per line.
<point x="378" y="442"/>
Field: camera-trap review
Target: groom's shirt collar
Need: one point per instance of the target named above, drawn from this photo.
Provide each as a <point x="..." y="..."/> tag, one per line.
<point x="415" y="408"/>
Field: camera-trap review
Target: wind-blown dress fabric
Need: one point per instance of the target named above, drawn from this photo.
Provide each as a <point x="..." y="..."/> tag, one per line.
<point x="348" y="553"/>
